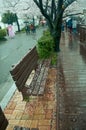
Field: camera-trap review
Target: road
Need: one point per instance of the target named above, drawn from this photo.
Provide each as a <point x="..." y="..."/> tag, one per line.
<point x="11" y="51"/>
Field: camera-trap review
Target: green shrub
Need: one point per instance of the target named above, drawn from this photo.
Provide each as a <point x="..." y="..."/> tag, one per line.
<point x="46" y="33"/>
<point x="23" y="29"/>
<point x="45" y="45"/>
<point x="2" y="33"/>
<point x="54" y="59"/>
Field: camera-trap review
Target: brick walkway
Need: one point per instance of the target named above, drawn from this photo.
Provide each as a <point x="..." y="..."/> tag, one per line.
<point x="72" y="84"/>
<point x="39" y="112"/>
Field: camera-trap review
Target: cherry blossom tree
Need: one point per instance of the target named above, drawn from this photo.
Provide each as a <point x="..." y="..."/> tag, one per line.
<point x="21" y="8"/>
<point x="53" y="11"/>
<point x="10" y="5"/>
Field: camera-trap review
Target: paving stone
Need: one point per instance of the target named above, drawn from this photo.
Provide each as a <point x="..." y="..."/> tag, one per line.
<point x="48" y="116"/>
<point x="22" y="123"/>
<point x="34" y="129"/>
<point x="10" y="127"/>
<point x="44" y="122"/>
<point x="8" y="111"/>
<point x="34" y="113"/>
<point x="45" y="128"/>
<point x="28" y="123"/>
<point x="19" y="115"/>
<point x="39" y="110"/>
<point x="34" y="124"/>
<point x="8" y="116"/>
<point x="14" y="122"/>
<point x="25" y="117"/>
<point x="11" y="105"/>
<point x="39" y="117"/>
<point x="72" y="85"/>
<point x="20" y="106"/>
<point x="16" y="113"/>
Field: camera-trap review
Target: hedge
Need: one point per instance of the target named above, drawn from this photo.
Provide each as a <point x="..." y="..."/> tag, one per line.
<point x="3" y="33"/>
<point x="45" y="45"/>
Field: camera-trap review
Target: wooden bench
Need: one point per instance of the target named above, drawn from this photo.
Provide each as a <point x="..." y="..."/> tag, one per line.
<point x="23" y="69"/>
<point x="23" y="128"/>
<point x="3" y="120"/>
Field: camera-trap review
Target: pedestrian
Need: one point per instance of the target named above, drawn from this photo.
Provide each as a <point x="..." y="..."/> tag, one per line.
<point x="27" y="29"/>
<point x="74" y="26"/>
<point x="69" y="24"/>
<point x="32" y="28"/>
<point x="10" y="31"/>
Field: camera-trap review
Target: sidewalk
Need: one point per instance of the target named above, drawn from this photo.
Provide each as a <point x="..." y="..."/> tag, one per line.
<point x="70" y="99"/>
<point x="39" y="112"/>
<point x="72" y="84"/>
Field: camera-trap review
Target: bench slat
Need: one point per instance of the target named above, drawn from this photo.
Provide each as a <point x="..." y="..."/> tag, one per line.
<point x="34" y="128"/>
<point x="23" y="69"/>
<point x="28" y="63"/>
<point x="20" y="128"/>
<point x="43" y="82"/>
<point x="3" y="120"/>
<point x="32" y="84"/>
<point x="24" y="128"/>
<point x="23" y="60"/>
<point x="37" y="86"/>
<point x="22" y="80"/>
<point x="20" y="73"/>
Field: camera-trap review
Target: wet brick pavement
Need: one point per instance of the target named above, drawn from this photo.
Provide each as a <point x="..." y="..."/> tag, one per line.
<point x="70" y="101"/>
<point x="72" y="84"/>
<point x="39" y="112"/>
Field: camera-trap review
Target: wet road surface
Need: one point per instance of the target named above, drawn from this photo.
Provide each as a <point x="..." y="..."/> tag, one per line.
<point x="11" y="52"/>
<point x="72" y="84"/>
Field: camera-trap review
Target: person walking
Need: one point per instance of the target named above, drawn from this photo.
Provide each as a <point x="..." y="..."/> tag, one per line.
<point x="27" y="29"/>
<point x="74" y="26"/>
<point x="32" y="28"/>
<point x="10" y="31"/>
<point x="69" y="24"/>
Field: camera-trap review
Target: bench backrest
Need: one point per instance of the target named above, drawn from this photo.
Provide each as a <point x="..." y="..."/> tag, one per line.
<point x="3" y="120"/>
<point x="21" y="71"/>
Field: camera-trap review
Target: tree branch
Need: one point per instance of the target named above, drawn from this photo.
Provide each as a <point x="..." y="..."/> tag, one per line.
<point x="9" y="3"/>
<point x="27" y="8"/>
<point x="40" y="5"/>
<point x="60" y="3"/>
<point x="52" y="8"/>
<point x="46" y="5"/>
<point x="68" y="2"/>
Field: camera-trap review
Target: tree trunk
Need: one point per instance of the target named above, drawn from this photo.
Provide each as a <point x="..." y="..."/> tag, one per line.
<point x="17" y="22"/>
<point x="57" y="35"/>
<point x="18" y="25"/>
<point x="57" y="42"/>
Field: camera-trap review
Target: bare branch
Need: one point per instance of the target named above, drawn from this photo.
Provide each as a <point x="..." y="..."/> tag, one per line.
<point x="68" y="2"/>
<point x="27" y="8"/>
<point x="37" y="3"/>
<point x="46" y="5"/>
<point x="12" y="4"/>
